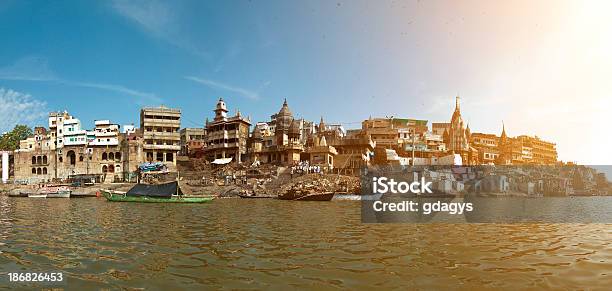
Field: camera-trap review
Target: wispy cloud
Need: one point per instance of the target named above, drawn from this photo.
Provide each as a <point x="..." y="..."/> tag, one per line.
<point x="160" y="20"/>
<point x="145" y="97"/>
<point x="36" y="69"/>
<point x="19" y="108"/>
<point x="225" y="87"/>
<point x="30" y="68"/>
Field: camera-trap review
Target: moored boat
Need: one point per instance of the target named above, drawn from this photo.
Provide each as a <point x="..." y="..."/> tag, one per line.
<point x="162" y="193"/>
<point x="121" y="197"/>
<point x="56" y="191"/>
<point x="254" y="196"/>
<point x="37" y="195"/>
<point x="326" y="196"/>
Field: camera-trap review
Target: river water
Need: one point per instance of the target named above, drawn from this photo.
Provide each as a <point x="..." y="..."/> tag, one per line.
<point x="274" y="244"/>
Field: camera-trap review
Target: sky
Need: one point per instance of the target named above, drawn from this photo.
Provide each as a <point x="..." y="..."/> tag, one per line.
<point x="541" y="67"/>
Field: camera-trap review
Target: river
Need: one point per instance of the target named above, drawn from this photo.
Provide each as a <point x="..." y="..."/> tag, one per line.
<point x="274" y="244"/>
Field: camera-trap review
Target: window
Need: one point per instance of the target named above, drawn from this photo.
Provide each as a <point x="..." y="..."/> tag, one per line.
<point x="104" y="156"/>
<point x="80" y="158"/>
<point x="33" y="170"/>
<point x="44" y="171"/>
<point x="33" y="163"/>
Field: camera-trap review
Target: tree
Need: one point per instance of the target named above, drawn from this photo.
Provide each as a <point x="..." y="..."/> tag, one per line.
<point x="10" y="140"/>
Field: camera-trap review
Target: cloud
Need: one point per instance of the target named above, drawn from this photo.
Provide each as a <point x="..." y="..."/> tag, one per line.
<point x="145" y="98"/>
<point x="30" y="68"/>
<point x="19" y="108"/>
<point x="225" y="87"/>
<point x="36" y="69"/>
<point x="159" y="19"/>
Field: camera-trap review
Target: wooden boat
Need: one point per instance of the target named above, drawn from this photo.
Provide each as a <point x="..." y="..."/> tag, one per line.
<point x="37" y="195"/>
<point x="317" y="197"/>
<point x="254" y="196"/>
<point x="122" y="197"/>
<point x="159" y="193"/>
<point x="327" y="196"/>
<point x="56" y="191"/>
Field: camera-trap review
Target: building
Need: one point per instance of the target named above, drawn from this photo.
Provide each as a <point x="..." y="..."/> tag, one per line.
<point x="226" y="137"/>
<point x="487" y="146"/>
<point x="440" y="127"/>
<point x="280" y="141"/>
<point x="66" y="150"/>
<point x="160" y="127"/>
<point x="457" y="138"/>
<point x="192" y="140"/>
<point x="542" y="152"/>
<point x="355" y="152"/>
<point x="321" y="154"/>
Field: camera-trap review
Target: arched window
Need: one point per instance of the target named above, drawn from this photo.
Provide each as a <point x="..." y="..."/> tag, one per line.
<point x="111" y="156"/>
<point x="44" y="171"/>
<point x="104" y="156"/>
<point x="45" y="160"/>
<point x="118" y="156"/>
<point x="104" y="169"/>
<point x="33" y="170"/>
<point x="71" y="157"/>
<point x="111" y="169"/>
<point x="34" y="162"/>
<point x="80" y="158"/>
<point x="39" y="160"/>
<point x="38" y="171"/>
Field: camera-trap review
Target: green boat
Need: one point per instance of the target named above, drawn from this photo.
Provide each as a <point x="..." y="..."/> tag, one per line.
<point x="121" y="197"/>
<point x="162" y="193"/>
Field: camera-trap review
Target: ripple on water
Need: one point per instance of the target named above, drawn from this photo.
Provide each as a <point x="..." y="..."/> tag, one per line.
<point x="233" y="243"/>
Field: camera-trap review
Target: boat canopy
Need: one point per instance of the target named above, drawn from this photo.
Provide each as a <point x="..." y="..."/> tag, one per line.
<point x="223" y="161"/>
<point x="160" y="190"/>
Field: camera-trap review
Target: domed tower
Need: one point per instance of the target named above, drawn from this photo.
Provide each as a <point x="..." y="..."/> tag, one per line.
<point x="221" y="110"/>
<point x="284" y="117"/>
<point x="294" y="130"/>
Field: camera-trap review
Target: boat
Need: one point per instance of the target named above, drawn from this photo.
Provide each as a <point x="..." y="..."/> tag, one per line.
<point x="317" y="197"/>
<point x="147" y="193"/>
<point x="56" y="191"/>
<point x="37" y="195"/>
<point x="254" y="196"/>
<point x="326" y="196"/>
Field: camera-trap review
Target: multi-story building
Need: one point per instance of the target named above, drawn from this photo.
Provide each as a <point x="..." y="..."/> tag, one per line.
<point x="160" y="127"/>
<point x="192" y="140"/>
<point x="487" y="146"/>
<point x="542" y="152"/>
<point x="226" y="137"/>
<point x="393" y="133"/>
<point x="66" y="150"/>
<point x="354" y="152"/>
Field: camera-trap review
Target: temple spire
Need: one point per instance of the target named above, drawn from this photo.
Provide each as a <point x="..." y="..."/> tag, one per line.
<point x="457" y="108"/>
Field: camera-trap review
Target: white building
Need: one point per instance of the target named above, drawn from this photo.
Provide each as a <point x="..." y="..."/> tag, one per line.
<point x="105" y="134"/>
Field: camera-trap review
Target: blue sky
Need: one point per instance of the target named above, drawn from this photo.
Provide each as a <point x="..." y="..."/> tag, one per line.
<point x="344" y="60"/>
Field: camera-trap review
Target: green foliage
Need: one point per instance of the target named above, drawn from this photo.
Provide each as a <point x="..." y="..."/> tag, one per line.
<point x="10" y="140"/>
